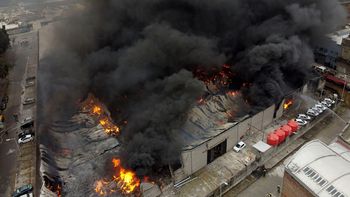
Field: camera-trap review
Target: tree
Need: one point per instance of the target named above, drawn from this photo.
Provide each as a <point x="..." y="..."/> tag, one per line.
<point x="4" y="40"/>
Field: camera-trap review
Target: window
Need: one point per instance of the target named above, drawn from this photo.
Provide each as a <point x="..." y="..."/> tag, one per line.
<point x="334" y="191"/>
<point x="312" y="174"/>
<point x="330" y="188"/>
<point x="306" y="169"/>
<point x="315" y="177"/>
<point x="309" y="172"/>
<point x="319" y="179"/>
<point x="337" y="194"/>
<point x="322" y="183"/>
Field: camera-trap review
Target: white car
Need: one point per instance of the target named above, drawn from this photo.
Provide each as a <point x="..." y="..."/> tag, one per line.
<point x="239" y="146"/>
<point x="330" y="101"/>
<point x="25" y="139"/>
<point x="303" y="117"/>
<point x="324" y="103"/>
<point x="321" y="107"/>
<point x="28" y="101"/>
<point x="311" y="112"/>
<point x="30" y="83"/>
<point x="301" y="122"/>
<point x="318" y="110"/>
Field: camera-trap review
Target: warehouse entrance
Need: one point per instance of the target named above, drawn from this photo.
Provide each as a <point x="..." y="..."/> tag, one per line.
<point x="216" y="151"/>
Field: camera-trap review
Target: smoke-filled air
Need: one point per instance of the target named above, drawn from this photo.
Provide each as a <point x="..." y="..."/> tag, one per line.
<point x="139" y="58"/>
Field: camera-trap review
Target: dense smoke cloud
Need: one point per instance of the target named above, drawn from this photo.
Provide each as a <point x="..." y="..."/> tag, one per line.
<point x="138" y="57"/>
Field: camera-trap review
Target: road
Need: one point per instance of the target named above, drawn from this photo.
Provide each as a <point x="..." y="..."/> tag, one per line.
<point x="24" y="55"/>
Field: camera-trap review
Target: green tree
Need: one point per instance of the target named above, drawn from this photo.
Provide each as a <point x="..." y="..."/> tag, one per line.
<point x="4" y="40"/>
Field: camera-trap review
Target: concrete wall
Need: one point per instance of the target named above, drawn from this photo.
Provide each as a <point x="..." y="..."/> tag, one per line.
<point x="280" y="109"/>
<point x="244" y="127"/>
<point x="268" y="115"/>
<point x="195" y="159"/>
<point x="257" y="122"/>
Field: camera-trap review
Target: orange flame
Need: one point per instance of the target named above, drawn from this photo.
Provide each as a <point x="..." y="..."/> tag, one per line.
<point x="95" y="109"/>
<point x="287" y="104"/>
<point x="232" y="93"/>
<point x="127" y="180"/>
<point x="124" y="180"/>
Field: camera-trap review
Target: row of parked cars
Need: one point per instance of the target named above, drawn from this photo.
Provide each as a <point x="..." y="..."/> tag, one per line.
<point x="27" y="131"/>
<point x="314" y="111"/>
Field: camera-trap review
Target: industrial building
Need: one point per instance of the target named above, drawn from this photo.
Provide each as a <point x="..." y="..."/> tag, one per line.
<point x="318" y="170"/>
<point x="207" y="136"/>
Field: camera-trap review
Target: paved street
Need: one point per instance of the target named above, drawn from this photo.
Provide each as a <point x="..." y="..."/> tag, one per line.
<point x="24" y="55"/>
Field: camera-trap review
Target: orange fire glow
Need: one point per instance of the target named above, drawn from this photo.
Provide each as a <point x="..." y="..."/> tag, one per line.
<point x="287" y="104"/>
<point x="232" y="93"/>
<point x="124" y="181"/>
<point x="95" y="109"/>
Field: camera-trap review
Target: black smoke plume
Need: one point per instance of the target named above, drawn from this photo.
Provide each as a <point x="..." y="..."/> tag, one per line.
<point x="138" y="56"/>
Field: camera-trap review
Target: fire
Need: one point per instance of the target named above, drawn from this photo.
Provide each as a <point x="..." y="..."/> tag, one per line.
<point x="287" y="104"/>
<point x="124" y="181"/>
<point x="232" y="93"/>
<point x="127" y="180"/>
<point x="220" y="77"/>
<point x="96" y="109"/>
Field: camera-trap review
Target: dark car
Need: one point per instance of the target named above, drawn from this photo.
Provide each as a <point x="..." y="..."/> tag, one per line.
<point x="5" y="99"/>
<point x="3" y="106"/>
<point x="22" y="190"/>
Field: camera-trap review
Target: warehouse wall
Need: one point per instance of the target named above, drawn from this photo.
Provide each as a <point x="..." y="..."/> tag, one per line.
<point x="268" y="115"/>
<point x="196" y="158"/>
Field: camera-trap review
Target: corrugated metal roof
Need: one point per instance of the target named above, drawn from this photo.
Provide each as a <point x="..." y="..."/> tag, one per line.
<point x="321" y="168"/>
<point x="209" y="118"/>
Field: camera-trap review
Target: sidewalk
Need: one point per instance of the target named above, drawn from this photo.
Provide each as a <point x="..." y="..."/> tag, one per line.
<point x="235" y="191"/>
<point x="26" y="159"/>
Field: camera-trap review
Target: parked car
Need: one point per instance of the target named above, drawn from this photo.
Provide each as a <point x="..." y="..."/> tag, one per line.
<point x="3" y="106"/>
<point x="301" y="122"/>
<point x="27" y="195"/>
<point x="321" y="107"/>
<point x="5" y="99"/>
<point x="26" y="138"/>
<point x="29" y="83"/>
<point x="324" y="103"/>
<point x="303" y="117"/>
<point x="27" y="119"/>
<point x="25" y="189"/>
<point x="330" y="101"/>
<point x="239" y="146"/>
<point x="28" y="101"/>
<point x="24" y="133"/>
<point x="312" y="113"/>
<point x="318" y="110"/>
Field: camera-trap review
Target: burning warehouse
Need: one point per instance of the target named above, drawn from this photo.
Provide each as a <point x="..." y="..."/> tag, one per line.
<point x="176" y="77"/>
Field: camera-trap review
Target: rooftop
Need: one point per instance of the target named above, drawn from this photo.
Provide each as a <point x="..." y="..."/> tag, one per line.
<point x="323" y="170"/>
<point x="209" y="118"/>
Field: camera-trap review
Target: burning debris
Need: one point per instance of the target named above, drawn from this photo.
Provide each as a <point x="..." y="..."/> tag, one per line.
<point x="287" y="103"/>
<point x="92" y="106"/>
<point x="151" y="67"/>
<point x="123" y="180"/>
